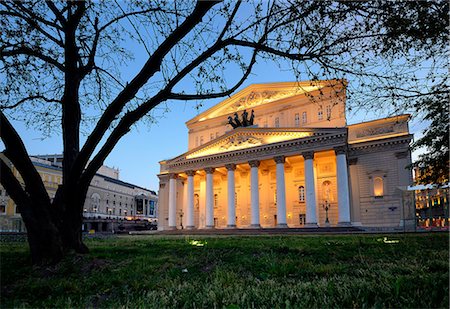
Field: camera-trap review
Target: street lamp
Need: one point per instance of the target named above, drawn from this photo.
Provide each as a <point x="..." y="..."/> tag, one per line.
<point x="181" y="218"/>
<point x="326" y="205"/>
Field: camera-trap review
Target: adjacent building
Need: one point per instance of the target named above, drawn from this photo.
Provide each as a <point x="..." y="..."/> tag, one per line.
<point x="109" y="200"/>
<point x="282" y="155"/>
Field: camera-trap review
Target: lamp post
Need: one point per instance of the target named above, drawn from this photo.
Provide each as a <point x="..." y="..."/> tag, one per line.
<point x="181" y="218"/>
<point x="326" y="205"/>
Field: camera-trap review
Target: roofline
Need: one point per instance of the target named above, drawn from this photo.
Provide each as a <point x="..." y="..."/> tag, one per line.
<point x="402" y="116"/>
<point x="327" y="82"/>
<point x="53" y="167"/>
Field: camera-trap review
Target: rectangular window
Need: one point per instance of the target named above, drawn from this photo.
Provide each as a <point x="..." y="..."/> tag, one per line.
<point x="217" y="134"/>
<point x="196" y="141"/>
<point x="152" y="208"/>
<point x="211" y="136"/>
<point x="320" y="114"/>
<point x="2" y="209"/>
<point x="304" y="118"/>
<point x="328" y="108"/>
<point x="277" y="122"/>
<point x="297" y="120"/>
<point x="201" y="140"/>
<point x="302" y="219"/>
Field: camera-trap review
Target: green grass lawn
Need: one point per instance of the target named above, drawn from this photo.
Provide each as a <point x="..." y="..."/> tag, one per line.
<point x="236" y="272"/>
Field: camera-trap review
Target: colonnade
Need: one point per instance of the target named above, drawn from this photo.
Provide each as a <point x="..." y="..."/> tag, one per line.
<point x="310" y="196"/>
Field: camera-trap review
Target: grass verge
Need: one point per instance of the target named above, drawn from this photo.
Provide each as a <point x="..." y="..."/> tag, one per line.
<point x="236" y="272"/>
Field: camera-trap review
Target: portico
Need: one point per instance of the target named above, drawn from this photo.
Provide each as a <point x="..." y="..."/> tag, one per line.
<point x="265" y="193"/>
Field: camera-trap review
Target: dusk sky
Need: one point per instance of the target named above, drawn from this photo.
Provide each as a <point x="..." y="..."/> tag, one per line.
<point x="138" y="153"/>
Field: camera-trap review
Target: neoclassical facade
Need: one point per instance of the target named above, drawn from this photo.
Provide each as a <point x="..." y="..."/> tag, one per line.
<point x="282" y="155"/>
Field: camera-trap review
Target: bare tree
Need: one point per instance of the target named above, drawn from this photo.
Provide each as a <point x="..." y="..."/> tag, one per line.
<point x="64" y="65"/>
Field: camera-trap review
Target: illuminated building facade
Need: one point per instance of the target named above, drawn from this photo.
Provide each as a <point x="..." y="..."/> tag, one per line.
<point x="282" y="155"/>
<point x="109" y="200"/>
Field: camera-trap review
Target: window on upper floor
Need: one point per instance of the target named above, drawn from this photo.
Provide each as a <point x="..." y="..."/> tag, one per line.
<point x="17" y="210"/>
<point x="326" y="191"/>
<point x="196" y="141"/>
<point x="2" y="209"/>
<point x="217" y="134"/>
<point x="301" y="193"/>
<point x="211" y="136"/>
<point x="216" y="200"/>
<point x="152" y="208"/>
<point x="304" y="118"/>
<point x="328" y="109"/>
<point x="297" y="120"/>
<point x="378" y="187"/>
<point x="201" y="140"/>
<point x="277" y="122"/>
<point x="320" y="114"/>
<point x="275" y="197"/>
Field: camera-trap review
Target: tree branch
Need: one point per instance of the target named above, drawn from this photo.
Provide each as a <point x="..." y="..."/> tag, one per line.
<point x="15" y="151"/>
<point x="15" y="190"/>
<point x="23" y="50"/>
<point x="32" y="22"/>
<point x="28" y="99"/>
<point x="148" y="70"/>
<point x="59" y="16"/>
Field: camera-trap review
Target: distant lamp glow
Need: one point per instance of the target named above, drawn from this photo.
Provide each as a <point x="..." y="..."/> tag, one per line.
<point x="378" y="186"/>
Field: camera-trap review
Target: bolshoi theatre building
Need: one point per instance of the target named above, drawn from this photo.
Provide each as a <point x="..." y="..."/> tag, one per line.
<point x="282" y="155"/>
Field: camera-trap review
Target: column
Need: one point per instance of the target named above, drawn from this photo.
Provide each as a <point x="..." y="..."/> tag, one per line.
<point x="311" y="218"/>
<point x="342" y="186"/>
<point x="190" y="200"/>
<point x="281" y="192"/>
<point x="231" y="216"/>
<point x="209" y="198"/>
<point x="172" y="201"/>
<point x="355" y="210"/>
<point x="254" y="187"/>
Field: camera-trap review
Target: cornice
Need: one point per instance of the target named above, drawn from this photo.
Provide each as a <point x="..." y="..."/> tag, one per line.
<point x="386" y="144"/>
<point x="263" y="152"/>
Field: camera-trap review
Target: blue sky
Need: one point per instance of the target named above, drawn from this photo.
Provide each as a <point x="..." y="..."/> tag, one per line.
<point x="138" y="153"/>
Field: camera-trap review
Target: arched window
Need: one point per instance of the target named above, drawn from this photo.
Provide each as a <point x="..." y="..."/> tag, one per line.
<point x="326" y="191"/>
<point x="275" y="197"/>
<point x="216" y="200"/>
<point x="277" y="122"/>
<point x="297" y="120"/>
<point x="378" y="189"/>
<point x="301" y="194"/>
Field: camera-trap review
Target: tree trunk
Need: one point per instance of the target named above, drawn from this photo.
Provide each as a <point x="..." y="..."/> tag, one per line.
<point x="44" y="241"/>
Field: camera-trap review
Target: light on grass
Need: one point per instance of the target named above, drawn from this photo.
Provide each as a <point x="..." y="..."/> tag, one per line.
<point x="197" y="243"/>
<point x="387" y="241"/>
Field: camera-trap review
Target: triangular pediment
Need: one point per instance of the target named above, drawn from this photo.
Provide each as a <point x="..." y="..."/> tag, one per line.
<point x="245" y="138"/>
<point x="260" y="94"/>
